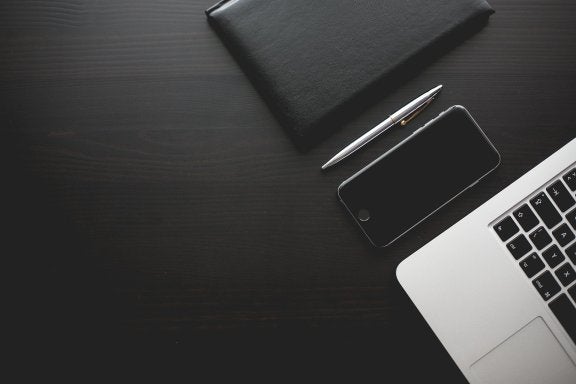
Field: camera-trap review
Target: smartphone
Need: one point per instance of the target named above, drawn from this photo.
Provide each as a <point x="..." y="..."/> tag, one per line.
<point x="417" y="177"/>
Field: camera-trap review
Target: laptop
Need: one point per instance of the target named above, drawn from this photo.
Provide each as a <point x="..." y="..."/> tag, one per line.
<point x="498" y="288"/>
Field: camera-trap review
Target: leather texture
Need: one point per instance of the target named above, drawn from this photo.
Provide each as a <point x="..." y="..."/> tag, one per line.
<point x="317" y="63"/>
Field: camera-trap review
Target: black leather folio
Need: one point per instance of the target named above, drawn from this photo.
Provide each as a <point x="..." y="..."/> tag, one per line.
<point x="319" y="62"/>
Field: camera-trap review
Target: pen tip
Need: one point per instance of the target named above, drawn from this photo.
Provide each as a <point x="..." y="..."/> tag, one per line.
<point x="328" y="164"/>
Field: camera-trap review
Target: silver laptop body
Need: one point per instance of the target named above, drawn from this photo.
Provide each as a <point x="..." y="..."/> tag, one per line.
<point x="503" y="311"/>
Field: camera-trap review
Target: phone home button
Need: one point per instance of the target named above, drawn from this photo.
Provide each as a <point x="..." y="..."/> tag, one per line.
<point x="363" y="215"/>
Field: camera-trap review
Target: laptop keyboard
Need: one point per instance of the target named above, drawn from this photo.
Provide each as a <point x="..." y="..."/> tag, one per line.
<point x="540" y="234"/>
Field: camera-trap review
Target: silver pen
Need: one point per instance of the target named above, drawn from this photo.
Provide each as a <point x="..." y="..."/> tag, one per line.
<point x="402" y="116"/>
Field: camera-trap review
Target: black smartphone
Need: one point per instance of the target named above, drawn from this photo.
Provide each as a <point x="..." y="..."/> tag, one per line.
<point x="417" y="177"/>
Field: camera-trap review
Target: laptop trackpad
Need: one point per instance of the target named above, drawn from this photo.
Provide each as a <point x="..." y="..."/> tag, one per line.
<point x="531" y="355"/>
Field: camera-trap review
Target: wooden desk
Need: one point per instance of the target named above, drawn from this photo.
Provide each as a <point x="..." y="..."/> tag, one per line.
<point x="151" y="199"/>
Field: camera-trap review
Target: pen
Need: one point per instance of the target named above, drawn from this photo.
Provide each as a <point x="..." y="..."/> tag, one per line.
<point x="402" y="116"/>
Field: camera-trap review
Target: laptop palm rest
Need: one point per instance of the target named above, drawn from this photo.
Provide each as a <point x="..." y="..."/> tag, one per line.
<point x="526" y="357"/>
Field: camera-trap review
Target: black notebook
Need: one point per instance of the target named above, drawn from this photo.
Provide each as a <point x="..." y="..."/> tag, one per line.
<point x="319" y="62"/>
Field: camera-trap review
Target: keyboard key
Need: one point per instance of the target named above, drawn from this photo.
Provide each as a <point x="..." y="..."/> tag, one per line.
<point x="566" y="274"/>
<point x="546" y="285"/>
<point x="519" y="246"/>
<point x="571" y="252"/>
<point x="540" y="238"/>
<point x="565" y="312"/>
<point x="570" y="179"/>
<point x="544" y="208"/>
<point x="526" y="217"/>
<point x="531" y="265"/>
<point x="560" y="195"/>
<point x="563" y="235"/>
<point x="571" y="217"/>
<point x="506" y="228"/>
<point x="572" y="292"/>
<point x="553" y="256"/>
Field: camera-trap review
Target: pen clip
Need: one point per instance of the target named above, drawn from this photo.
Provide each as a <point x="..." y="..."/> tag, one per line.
<point x="416" y="112"/>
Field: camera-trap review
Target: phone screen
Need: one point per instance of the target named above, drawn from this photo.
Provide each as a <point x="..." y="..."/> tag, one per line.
<point x="420" y="175"/>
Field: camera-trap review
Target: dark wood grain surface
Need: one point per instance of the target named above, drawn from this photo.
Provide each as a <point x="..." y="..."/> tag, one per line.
<point x="151" y="200"/>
